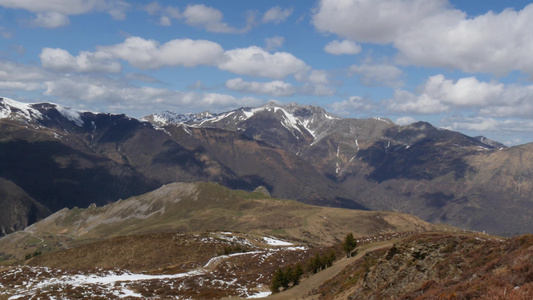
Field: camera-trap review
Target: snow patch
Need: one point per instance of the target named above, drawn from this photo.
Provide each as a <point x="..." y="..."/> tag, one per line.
<point x="259" y="295"/>
<point x="70" y="114"/>
<point x="276" y="242"/>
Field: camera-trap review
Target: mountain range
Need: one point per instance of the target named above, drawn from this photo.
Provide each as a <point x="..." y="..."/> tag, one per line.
<point x="52" y="157"/>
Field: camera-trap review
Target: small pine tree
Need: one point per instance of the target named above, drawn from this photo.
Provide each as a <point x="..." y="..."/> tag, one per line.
<point x="316" y="262"/>
<point x="297" y="274"/>
<point x="349" y="244"/>
<point x="277" y="281"/>
<point x="330" y="258"/>
<point x="288" y="277"/>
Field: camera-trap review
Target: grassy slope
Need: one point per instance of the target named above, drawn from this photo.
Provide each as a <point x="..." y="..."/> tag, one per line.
<point x="182" y="207"/>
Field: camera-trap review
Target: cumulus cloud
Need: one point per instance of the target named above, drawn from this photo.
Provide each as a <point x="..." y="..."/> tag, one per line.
<point x="255" y="61"/>
<point x="61" y="60"/>
<point x="379" y="74"/>
<point x="373" y="21"/>
<point x="274" y="43"/>
<point x="117" y="95"/>
<point x="54" y="13"/>
<point x="439" y="94"/>
<point x="432" y="34"/>
<point x="317" y="90"/>
<point x="165" y="14"/>
<point x="342" y="47"/>
<point x="499" y="129"/>
<point x="21" y="72"/>
<point x="50" y="20"/>
<point x="15" y="76"/>
<point x="351" y="105"/>
<point x="276" y="88"/>
<point x="405" y="121"/>
<point x="408" y="102"/>
<point x="149" y="54"/>
<point x="209" y="18"/>
<point x="314" y="76"/>
<point x="277" y="15"/>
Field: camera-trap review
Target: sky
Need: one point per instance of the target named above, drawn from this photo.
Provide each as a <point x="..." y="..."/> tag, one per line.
<point x="462" y="65"/>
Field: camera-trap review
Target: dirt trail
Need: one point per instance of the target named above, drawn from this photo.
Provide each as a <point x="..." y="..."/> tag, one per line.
<point x="309" y="284"/>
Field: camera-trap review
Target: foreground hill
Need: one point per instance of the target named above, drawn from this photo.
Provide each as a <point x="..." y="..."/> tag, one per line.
<point x="64" y="158"/>
<point x="194" y="207"/>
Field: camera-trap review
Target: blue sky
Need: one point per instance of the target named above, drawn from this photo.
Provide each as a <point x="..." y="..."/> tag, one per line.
<point x="461" y="65"/>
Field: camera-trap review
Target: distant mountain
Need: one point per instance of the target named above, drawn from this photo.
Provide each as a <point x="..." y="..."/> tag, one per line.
<point x="66" y="158"/>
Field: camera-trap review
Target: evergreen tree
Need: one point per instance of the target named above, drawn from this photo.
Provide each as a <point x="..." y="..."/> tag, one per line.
<point x="316" y="263"/>
<point x="330" y="258"/>
<point x="277" y="281"/>
<point x="297" y="274"/>
<point x="287" y="278"/>
<point x="349" y="244"/>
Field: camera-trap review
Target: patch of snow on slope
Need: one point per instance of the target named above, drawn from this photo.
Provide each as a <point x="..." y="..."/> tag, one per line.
<point x="160" y="119"/>
<point x="259" y="295"/>
<point x="382" y="120"/>
<point x="276" y="242"/>
<point x="70" y="114"/>
<point x="306" y="125"/>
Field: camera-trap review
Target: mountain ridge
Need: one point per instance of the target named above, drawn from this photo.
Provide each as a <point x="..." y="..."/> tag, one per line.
<point x="296" y="152"/>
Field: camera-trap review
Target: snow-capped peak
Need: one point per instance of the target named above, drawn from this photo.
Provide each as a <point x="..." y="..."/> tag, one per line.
<point x="11" y="109"/>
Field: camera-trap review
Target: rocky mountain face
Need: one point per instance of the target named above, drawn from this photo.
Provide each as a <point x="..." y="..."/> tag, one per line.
<point x="65" y="158"/>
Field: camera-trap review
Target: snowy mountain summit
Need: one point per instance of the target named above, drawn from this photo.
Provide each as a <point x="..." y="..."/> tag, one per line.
<point x="36" y="112"/>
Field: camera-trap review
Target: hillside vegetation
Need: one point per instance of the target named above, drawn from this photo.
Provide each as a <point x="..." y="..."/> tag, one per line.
<point x="194" y="207"/>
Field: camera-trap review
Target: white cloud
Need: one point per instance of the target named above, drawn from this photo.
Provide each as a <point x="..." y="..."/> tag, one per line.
<point x="439" y="94"/>
<point x="165" y="21"/>
<point x="209" y="18"/>
<point x="278" y="88"/>
<point x="405" y="121"/>
<point x="463" y="92"/>
<point x="255" y="61"/>
<point x="274" y="43"/>
<point x="50" y="20"/>
<point x="351" y="105"/>
<point x="11" y="71"/>
<point x="153" y="8"/>
<point x="379" y="74"/>
<point x="407" y="102"/>
<point x="343" y="47"/>
<point x="277" y="15"/>
<point x="373" y="21"/>
<point x="18" y="85"/>
<point x="273" y="88"/>
<point x="315" y="76"/>
<point x="116" y="95"/>
<point x="15" y="76"/>
<point x="149" y="54"/>
<point x="317" y="90"/>
<point x="61" y="60"/>
<point x="54" y="13"/>
<point x="165" y="14"/>
<point x="432" y="34"/>
<point x="507" y="131"/>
